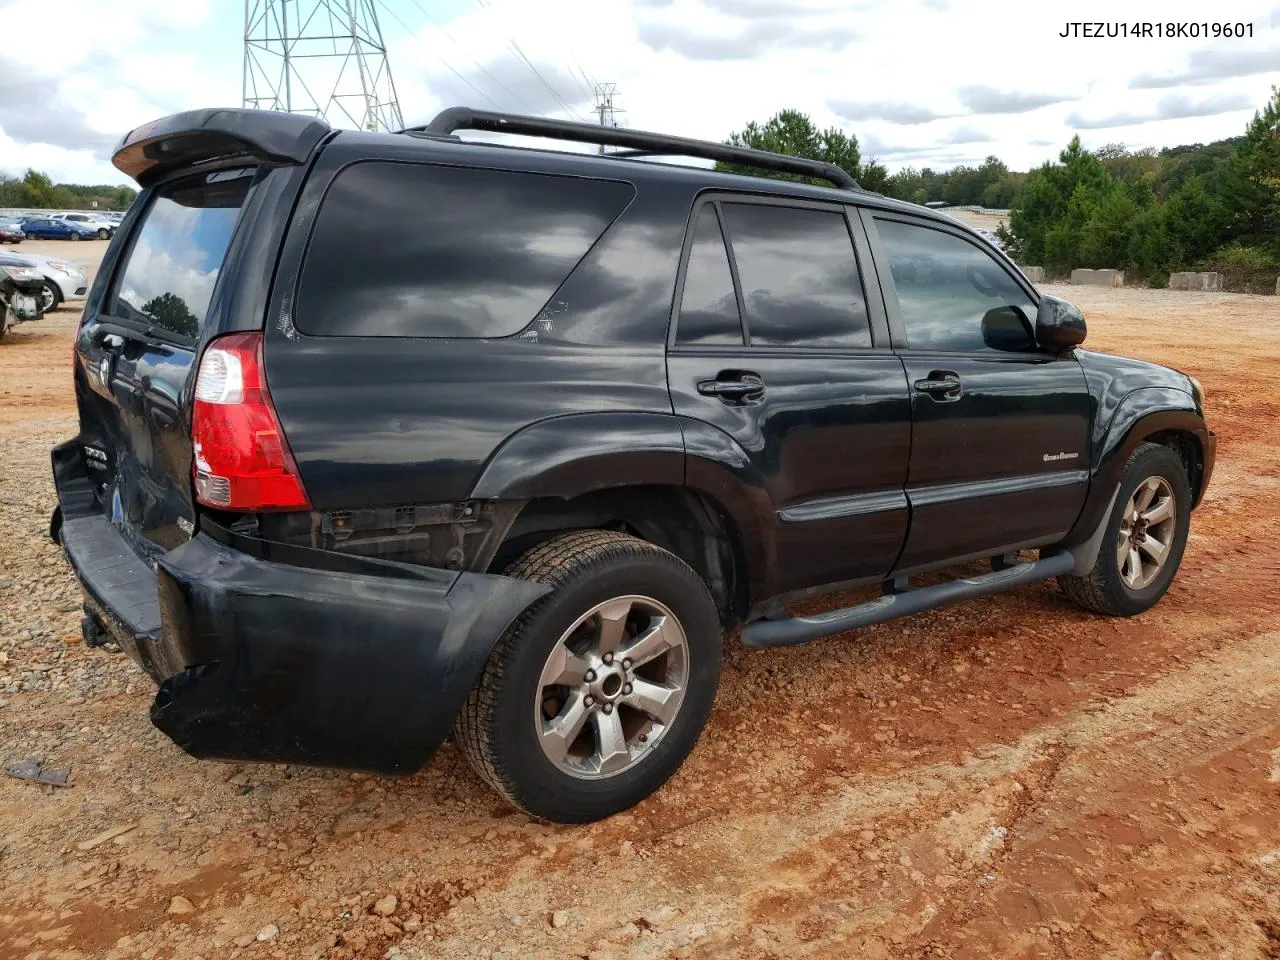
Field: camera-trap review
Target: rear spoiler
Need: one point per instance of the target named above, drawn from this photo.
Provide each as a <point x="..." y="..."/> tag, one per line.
<point x="184" y="139"/>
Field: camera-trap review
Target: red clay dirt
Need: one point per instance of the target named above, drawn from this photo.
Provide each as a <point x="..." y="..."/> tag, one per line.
<point x="1012" y="777"/>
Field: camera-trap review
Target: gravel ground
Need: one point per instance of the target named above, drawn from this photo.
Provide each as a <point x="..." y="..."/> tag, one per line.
<point x="1007" y="778"/>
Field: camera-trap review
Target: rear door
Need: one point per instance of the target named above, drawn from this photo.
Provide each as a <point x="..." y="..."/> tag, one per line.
<point x="1000" y="441"/>
<point x="137" y="348"/>
<point x="776" y="343"/>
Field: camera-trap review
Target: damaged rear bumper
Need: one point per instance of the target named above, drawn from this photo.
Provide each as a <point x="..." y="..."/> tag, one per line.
<point x="362" y="665"/>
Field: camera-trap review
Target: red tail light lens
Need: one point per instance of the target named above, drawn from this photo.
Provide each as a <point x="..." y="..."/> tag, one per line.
<point x="242" y="461"/>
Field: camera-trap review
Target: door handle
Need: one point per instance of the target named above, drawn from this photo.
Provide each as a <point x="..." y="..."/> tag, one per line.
<point x="734" y="388"/>
<point x="941" y="385"/>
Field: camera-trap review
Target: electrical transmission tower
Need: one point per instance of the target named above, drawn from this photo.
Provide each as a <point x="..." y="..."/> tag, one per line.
<point x="604" y="108"/>
<point x="322" y="58"/>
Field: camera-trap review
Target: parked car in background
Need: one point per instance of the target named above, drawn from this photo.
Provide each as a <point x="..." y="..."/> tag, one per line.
<point x="64" y="281"/>
<point x="103" y="228"/>
<point x="51" y="228"/>
<point x="11" y="232"/>
<point x="990" y="237"/>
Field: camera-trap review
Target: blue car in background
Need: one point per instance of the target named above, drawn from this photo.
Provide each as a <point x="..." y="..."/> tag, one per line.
<point x="50" y="229"/>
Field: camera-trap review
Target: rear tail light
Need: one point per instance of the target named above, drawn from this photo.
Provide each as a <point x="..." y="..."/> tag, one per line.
<point x="242" y="461"/>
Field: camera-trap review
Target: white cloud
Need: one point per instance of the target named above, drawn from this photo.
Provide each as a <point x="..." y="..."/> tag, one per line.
<point x="924" y="82"/>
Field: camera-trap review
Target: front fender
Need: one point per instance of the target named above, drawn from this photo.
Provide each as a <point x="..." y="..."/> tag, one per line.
<point x="1139" y="415"/>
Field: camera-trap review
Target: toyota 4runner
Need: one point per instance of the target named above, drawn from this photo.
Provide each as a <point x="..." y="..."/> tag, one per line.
<point x="384" y="436"/>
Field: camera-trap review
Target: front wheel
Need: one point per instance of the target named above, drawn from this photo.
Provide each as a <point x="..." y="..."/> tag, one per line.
<point x="102" y="234"/>
<point x="596" y="694"/>
<point x="49" y="298"/>
<point x="1145" y="537"/>
<point x="74" y="236"/>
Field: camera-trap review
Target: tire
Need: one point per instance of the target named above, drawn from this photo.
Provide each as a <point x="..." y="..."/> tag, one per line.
<point x="509" y="714"/>
<point x="49" y="297"/>
<point x="1110" y="587"/>
<point x="74" y="236"/>
<point x="103" y="235"/>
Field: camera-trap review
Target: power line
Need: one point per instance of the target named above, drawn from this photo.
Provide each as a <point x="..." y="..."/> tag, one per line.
<point x="407" y="29"/>
<point x="478" y="64"/>
<point x="520" y="54"/>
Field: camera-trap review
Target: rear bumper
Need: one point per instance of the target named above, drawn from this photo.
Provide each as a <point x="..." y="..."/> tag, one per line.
<point x="363" y="665"/>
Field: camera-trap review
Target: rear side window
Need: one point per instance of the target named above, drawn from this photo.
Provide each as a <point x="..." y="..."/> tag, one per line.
<point x="177" y="251"/>
<point x="708" y="308"/>
<point x="412" y="250"/>
<point x="799" y="276"/>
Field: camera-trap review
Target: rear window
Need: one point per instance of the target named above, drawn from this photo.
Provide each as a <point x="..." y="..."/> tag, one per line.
<point x="168" y="278"/>
<point x="414" y="250"/>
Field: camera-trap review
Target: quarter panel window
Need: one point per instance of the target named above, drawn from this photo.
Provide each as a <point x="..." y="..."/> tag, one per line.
<point x="708" y="308"/>
<point x="799" y="276"/>
<point x="954" y="295"/>
<point x="415" y="250"/>
<point x="178" y="250"/>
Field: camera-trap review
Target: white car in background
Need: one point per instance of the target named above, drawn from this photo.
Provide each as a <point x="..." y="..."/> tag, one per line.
<point x="105" y="228"/>
<point x="64" y="281"/>
<point x="990" y="237"/>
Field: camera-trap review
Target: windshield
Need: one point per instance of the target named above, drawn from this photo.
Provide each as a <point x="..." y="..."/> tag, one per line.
<point x="178" y="251"/>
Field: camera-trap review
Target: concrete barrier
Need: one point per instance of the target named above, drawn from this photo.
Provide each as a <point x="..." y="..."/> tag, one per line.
<point x="1204" y="282"/>
<point x="1034" y="274"/>
<point x="1098" y="278"/>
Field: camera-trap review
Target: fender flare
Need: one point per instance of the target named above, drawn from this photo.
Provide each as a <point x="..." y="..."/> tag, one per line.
<point x="582" y="452"/>
<point x="1142" y="413"/>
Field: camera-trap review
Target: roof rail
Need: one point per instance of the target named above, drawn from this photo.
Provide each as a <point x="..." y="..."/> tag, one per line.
<point x="640" y="142"/>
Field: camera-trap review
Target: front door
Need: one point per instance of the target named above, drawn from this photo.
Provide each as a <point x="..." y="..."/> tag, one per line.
<point x="774" y="345"/>
<point x="1000" y="444"/>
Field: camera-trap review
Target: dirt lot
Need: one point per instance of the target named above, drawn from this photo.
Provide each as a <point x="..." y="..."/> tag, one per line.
<point x="1007" y="778"/>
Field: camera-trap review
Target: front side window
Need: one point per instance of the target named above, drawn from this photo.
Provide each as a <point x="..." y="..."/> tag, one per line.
<point x="178" y="250"/>
<point x="799" y="276"/>
<point x="953" y="295"/>
<point x="417" y="250"/>
<point x="708" y="308"/>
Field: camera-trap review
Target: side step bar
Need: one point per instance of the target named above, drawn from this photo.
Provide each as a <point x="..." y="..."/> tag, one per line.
<point x="786" y="633"/>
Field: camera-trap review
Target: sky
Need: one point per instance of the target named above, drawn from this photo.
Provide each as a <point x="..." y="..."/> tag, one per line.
<point x="919" y="82"/>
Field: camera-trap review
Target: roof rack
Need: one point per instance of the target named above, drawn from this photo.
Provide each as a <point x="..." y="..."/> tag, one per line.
<point x="641" y="143"/>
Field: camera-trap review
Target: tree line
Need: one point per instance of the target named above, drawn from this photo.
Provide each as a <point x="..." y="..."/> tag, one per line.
<point x="1150" y="212"/>
<point x="37" y="191"/>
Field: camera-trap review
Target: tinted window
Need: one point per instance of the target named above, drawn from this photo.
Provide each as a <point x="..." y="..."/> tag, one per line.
<point x="178" y="251"/>
<point x="408" y="250"/>
<point x="953" y="294"/>
<point x="799" y="277"/>
<point x="708" y="308"/>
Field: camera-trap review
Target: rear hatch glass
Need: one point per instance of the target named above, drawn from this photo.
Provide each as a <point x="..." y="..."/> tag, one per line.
<point x="137" y="351"/>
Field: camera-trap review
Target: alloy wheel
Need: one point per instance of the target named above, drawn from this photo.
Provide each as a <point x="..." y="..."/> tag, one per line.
<point x="611" y="687"/>
<point x="1147" y="530"/>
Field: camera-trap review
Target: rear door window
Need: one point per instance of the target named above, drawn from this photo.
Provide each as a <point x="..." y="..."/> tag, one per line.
<point x="177" y="252"/>
<point x="799" y="276"/>
<point x="709" y="306"/>
<point x="418" y="250"/>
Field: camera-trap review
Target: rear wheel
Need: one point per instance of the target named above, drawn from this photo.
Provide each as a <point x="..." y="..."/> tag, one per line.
<point x="1145" y="537"/>
<point x="597" y="693"/>
<point x="102" y="233"/>
<point x="74" y="236"/>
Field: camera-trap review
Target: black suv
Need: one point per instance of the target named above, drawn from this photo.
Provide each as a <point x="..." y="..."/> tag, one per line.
<point x="384" y="436"/>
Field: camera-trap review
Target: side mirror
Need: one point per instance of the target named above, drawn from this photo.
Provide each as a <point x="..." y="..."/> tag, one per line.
<point x="1059" y="325"/>
<point x="1008" y="329"/>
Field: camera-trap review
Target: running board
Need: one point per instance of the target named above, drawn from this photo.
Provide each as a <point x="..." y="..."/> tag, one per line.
<point x="793" y="630"/>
